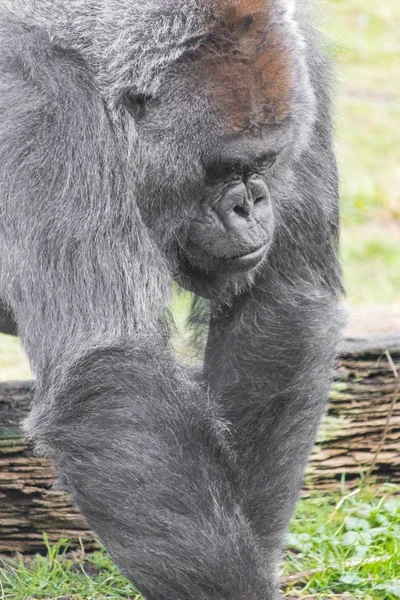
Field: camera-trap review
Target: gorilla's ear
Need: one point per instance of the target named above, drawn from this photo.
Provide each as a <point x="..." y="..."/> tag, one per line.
<point x="136" y="104"/>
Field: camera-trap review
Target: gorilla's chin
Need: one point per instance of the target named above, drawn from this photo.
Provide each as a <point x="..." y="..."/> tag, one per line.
<point x="204" y="273"/>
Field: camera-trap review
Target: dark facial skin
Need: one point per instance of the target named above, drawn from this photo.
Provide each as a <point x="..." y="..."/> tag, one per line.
<point x="234" y="227"/>
<point x="235" y="223"/>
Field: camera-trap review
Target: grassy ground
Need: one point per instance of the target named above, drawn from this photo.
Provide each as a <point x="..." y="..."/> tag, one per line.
<point x="345" y="547"/>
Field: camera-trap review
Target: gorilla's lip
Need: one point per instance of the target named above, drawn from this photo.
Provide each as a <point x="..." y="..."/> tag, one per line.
<point x="226" y="265"/>
<point x="248" y="255"/>
<point x="248" y="261"/>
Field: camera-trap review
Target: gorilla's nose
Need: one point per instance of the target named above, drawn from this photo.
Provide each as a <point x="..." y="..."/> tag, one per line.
<point x="242" y="201"/>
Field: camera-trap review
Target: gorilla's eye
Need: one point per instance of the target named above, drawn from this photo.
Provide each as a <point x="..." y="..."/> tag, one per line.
<point x="136" y="104"/>
<point x="222" y="170"/>
<point x="268" y="160"/>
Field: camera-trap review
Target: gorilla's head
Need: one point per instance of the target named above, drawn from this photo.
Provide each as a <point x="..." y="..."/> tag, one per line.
<point x="217" y="104"/>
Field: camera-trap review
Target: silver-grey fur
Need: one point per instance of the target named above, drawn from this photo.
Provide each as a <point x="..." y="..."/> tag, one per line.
<point x="190" y="483"/>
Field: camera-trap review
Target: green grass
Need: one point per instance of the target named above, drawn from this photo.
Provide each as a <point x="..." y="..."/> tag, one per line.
<point x="351" y="547"/>
<point x="336" y="545"/>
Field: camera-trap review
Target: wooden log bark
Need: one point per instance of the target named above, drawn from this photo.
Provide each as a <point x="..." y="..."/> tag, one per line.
<point x="363" y="394"/>
<point x="28" y="506"/>
<point x="360" y="435"/>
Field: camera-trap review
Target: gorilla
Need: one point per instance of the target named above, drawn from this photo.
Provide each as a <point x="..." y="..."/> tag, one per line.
<point x="145" y="144"/>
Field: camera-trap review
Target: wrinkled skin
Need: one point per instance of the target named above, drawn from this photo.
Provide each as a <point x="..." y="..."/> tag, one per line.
<point x="147" y="143"/>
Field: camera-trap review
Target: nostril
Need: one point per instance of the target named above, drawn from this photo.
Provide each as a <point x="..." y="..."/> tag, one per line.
<point x="241" y="211"/>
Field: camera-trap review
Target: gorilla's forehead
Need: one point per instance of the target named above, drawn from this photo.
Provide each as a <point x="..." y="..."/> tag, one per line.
<point x="245" y="65"/>
<point x="237" y="51"/>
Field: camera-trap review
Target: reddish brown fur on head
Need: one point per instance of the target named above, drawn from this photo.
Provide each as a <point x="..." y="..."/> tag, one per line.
<point x="245" y="67"/>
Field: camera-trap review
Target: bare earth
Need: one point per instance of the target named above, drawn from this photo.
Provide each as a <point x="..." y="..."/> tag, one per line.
<point x="370" y="319"/>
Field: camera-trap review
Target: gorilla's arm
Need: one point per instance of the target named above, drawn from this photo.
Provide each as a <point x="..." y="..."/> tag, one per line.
<point x="134" y="439"/>
<point x="270" y="353"/>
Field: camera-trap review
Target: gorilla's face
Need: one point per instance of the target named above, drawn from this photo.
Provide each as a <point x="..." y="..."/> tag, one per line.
<point x="208" y="139"/>
<point x="233" y="227"/>
<point x="212" y="208"/>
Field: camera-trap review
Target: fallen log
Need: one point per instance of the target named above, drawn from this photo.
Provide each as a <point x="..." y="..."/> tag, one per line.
<point x="357" y="435"/>
<point x="28" y="506"/>
<point x="360" y="435"/>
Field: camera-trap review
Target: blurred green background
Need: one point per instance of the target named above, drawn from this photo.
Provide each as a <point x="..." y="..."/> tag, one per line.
<point x="364" y="37"/>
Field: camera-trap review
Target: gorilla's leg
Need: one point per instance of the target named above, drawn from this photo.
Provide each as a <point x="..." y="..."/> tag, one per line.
<point x="134" y="439"/>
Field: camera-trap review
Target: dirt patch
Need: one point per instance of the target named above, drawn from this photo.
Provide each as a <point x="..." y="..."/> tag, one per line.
<point x="373" y="319"/>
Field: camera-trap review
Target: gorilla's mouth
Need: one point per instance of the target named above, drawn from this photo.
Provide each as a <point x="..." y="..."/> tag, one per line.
<point x="236" y="263"/>
<point x="249" y="260"/>
<point x="254" y="252"/>
<point x="208" y="262"/>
